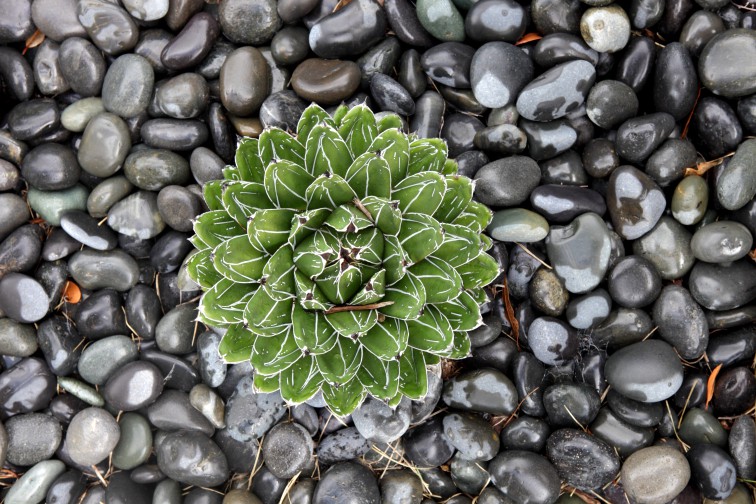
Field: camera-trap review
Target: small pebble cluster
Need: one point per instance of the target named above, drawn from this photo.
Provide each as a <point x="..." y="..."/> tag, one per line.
<point x="614" y="142"/>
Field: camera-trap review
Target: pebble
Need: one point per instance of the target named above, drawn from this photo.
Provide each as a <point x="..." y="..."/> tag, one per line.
<point x="173" y="411"/>
<point x="690" y="200"/>
<point x="473" y="437"/>
<point x="342" y="445"/>
<point x="557" y="92"/>
<point x="175" y="332"/>
<point x="287" y="450"/>
<point x="449" y="64"/>
<point x="184" y="96"/>
<point x="135" y="442"/>
<point x="33" y="119"/>
<point x="735" y="392"/>
<point x="104" y="145"/>
<point x="136" y="216"/>
<point x="492" y="20"/>
<point x="568" y="403"/>
<point x="17" y="339"/>
<point x="244" y="81"/>
<point x="76" y="116"/>
<point x="634" y="282"/>
<point x="582" y="460"/>
<point x="726" y="65"/>
<point x="518" y="225"/>
<point x="605" y="29"/>
<point x="47" y="69"/>
<point x="249" y="22"/>
<point x="742" y="446"/>
<point x="546" y="140"/>
<point x="403" y="20"/>
<point x="89" y="424"/>
<point x="32" y="486"/>
<point x="713" y="470"/>
<point x="82" y="66"/>
<point x="31" y="438"/>
<point x="379" y="423"/>
<point x="17" y="73"/>
<point x="192" y="458"/>
<point x="589" y="310"/>
<point x="736" y="184"/>
<point x="610" y="103"/>
<point x="207" y="402"/>
<point x="108" y="25"/>
<point x="57" y="19"/>
<point x="174" y="134"/>
<point x="347" y="482"/>
<point x="22" y="298"/>
<point x="721" y="242"/>
<point x="523" y="476"/>
<point x="648" y="371"/>
<point x="625" y="438"/>
<point x="634" y="412"/>
<point x="667" y="247"/>
<point x="102" y="358"/>
<point x="699" y="426"/>
<point x="484" y="390"/>
<point x="282" y="110"/>
<point x="326" y="82"/>
<point x="655" y="475"/>
<point x="442" y="19"/>
<point x="401" y="486"/>
<point x="634" y="201"/>
<point x="390" y="96"/>
<point x="715" y="128"/>
<point x="133" y="386"/>
<point x="507" y="181"/>
<point x="426" y="445"/>
<point x="492" y="78"/>
<point x="51" y="167"/>
<point x="350" y="30"/>
<point x="249" y="414"/>
<point x="723" y="287"/>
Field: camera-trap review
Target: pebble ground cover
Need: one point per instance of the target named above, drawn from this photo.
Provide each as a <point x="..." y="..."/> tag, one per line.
<point x="614" y="144"/>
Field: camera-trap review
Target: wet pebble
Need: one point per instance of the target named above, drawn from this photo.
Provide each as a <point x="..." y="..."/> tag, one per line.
<point x="492" y="79"/>
<point x="634" y="201"/>
<point x="713" y="471"/>
<point x="88" y="424"/>
<point x="582" y="460"/>
<point x="507" y="181"/>
<point x="347" y="482"/>
<point x="287" y="449"/>
<point x="648" y="371"/>
<point x="133" y="386"/>
<point x="655" y="475"/>
<point x="192" y="458"/>
<point x="525" y="477"/>
<point x="33" y="485"/>
<point x="726" y="64"/>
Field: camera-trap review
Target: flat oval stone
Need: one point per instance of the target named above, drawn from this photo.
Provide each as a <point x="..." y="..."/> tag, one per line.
<point x="32" y="438"/>
<point x="634" y="282"/>
<point x="26" y="387"/>
<point x="22" y="298"/>
<point x="561" y="203"/>
<point x="32" y="486"/>
<point x="491" y="20"/>
<point x="282" y="110"/>
<point x="403" y="20"/>
<point x="244" y="81"/>
<point x="135" y="444"/>
<point x="493" y="78"/>
<point x="100" y="269"/>
<point x="742" y="446"/>
<point x="485" y="390"/>
<point x="655" y="475"/>
<point x="442" y="19"/>
<point x="553" y="341"/>
<point x="557" y="92"/>
<point x="713" y="470"/>
<point x="133" y="386"/>
<point x="727" y="65"/>
<point x="17" y="339"/>
<point x="523" y="476"/>
<point x="76" y="116"/>
<point x="549" y="139"/>
<point x="250" y="414"/>
<point x="450" y="63"/>
<point x="174" y="134"/>
<point x="128" y="85"/>
<point x="675" y="81"/>
<point x="690" y="200"/>
<point x="648" y="371"/>
<point x="589" y="310"/>
<point x="89" y="424"/>
<point x="51" y="167"/>
<point x="350" y="30"/>
<point x="473" y="437"/>
<point x="326" y="82"/>
<point x="104" y="145"/>
<point x="582" y="460"/>
<point x="528" y="376"/>
<point x="634" y="201"/>
<point x="192" y="44"/>
<point x="723" y="286"/>
<point x="568" y="403"/>
<point x="108" y="25"/>
<point x="721" y="242"/>
<point x="610" y="103"/>
<point x="50" y="205"/>
<point x="736" y="184"/>
<point x="153" y="169"/>
<point x="104" y="357"/>
<point x="249" y="22"/>
<point x="173" y="411"/>
<point x="190" y="457"/>
<point x="287" y="449"/>
<point x="47" y="69"/>
<point x="57" y="19"/>
<point x="667" y="246"/>
<point x="507" y="181"/>
<point x="605" y="29"/>
<point x="17" y="73"/>
<point x="137" y="215"/>
<point x="638" y="137"/>
<point x="625" y="438"/>
<point x="342" y="445"/>
<point x="183" y="97"/>
<point x="33" y="119"/>
<point x="80" y="226"/>
<point x="634" y="412"/>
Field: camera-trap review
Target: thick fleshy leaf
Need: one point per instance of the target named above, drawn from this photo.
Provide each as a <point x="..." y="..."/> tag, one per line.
<point x="408" y="296"/>
<point x="276" y="144"/>
<point x="462" y="313"/>
<point x="326" y="151"/>
<point x="395" y="259"/>
<point x="343" y="400"/>
<point x="460" y="245"/>
<point x="372" y="291"/>
<point x="450" y="167"/>
<point x="390" y="121"/>
<point x="476" y="216"/>
<point x="413" y="379"/>
<point x="215" y="227"/>
<point x="197" y="242"/>
<point x="393" y="146"/>
<point x="479" y="272"/>
<point x="308" y="294"/>
<point x="358" y="129"/>
<point x="431" y="332"/>
<point x="341" y="280"/>
<point x="273" y="354"/>
<point x="485" y="243"/>
<point x="352" y="323"/>
<point x="339" y="114"/>
<point x="386" y="340"/>
<point x="286" y="184"/>
<point x="224" y="303"/>
<point x="459" y="191"/>
<point x="248" y="163"/>
<point x="340" y="363"/>
<point x="242" y="199"/>
<point x="267" y="316"/>
<point x="311" y="331"/>
<point x="427" y="154"/>
<point x="312" y="116"/>
<point x="201" y="270"/>
<point x="305" y="224"/>
<point x="301" y="381"/>
<point x="236" y="344"/>
<point x="237" y="260"/>
<point x="266" y="384"/>
<point x="231" y="173"/>
<point x="384" y="213"/>
<point x="379" y="377"/>
<point x="366" y="246"/>
<point x="460" y="348"/>
<point x="348" y="219"/>
<point x="278" y="274"/>
<point x="420" y="236"/>
<point x="268" y="229"/>
<point x="479" y="295"/>
<point x="441" y="281"/>
<point x="212" y="192"/>
<point x="420" y="193"/>
<point x="369" y="175"/>
<point x="315" y="251"/>
<point x="329" y="191"/>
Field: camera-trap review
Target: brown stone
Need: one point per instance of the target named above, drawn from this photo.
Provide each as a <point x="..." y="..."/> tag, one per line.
<point x="244" y="81"/>
<point x="326" y="82"/>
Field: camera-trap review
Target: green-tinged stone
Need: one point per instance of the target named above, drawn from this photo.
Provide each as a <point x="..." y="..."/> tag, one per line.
<point x="81" y="390"/>
<point x="135" y="443"/>
<point x="76" y="116"/>
<point x="32" y="487"/>
<point x="690" y="200"/>
<point x="518" y="225"/>
<point x="50" y="205"/>
<point x="442" y="19"/>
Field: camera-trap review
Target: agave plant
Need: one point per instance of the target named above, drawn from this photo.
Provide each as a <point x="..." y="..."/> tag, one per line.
<point x="345" y="259"/>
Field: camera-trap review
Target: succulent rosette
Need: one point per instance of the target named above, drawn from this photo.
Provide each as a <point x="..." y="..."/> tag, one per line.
<point x="345" y="258"/>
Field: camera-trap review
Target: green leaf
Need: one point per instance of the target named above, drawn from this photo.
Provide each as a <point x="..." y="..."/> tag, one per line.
<point x="476" y="216"/>
<point x="268" y="229"/>
<point x="479" y="295"/>
<point x="352" y="323"/>
<point x="379" y="377"/>
<point x="460" y="245"/>
<point x="275" y="144"/>
<point x="459" y="191"/>
<point x="408" y="296"/>
<point x="301" y="381"/>
<point x="385" y="214"/>
<point x="315" y="251"/>
<point x="341" y="280"/>
<point x="420" y="236"/>
<point x="427" y="154"/>
<point x="231" y="173"/>
<point x="431" y="332"/>
<point x="267" y="316"/>
<point x="248" y="163"/>
<point x="369" y="175"/>
<point x="479" y="272"/>
<point x="215" y="227"/>
<point x="358" y="129"/>
<point x="237" y="260"/>
<point x="386" y="340"/>
<point x="348" y="219"/>
<point x="329" y="191"/>
<point x="339" y="114"/>
<point x="306" y="223"/>
<point x="393" y="146"/>
<point x="366" y="246"/>
<point x="311" y="331"/>
<point x="242" y="199"/>
<point x="273" y="354"/>
<point x="441" y="281"/>
<point x="312" y="116"/>
<point x="278" y="274"/>
<point x="266" y="384"/>
<point x="420" y="193"/>
<point x="390" y="121"/>
<point x="224" y="303"/>
<point x="212" y="191"/>
<point x="286" y="184"/>
<point x="326" y="151"/>
<point x="342" y="400"/>
<point x="450" y="167"/>
<point x="372" y="291"/>
<point x="308" y="294"/>
<point x="485" y="243"/>
<point x="236" y="344"/>
<point x="340" y="363"/>
<point x="413" y="379"/>
<point x="460" y="348"/>
<point x="197" y="242"/>
<point x="462" y="313"/>
<point x="395" y="259"/>
<point x="201" y="270"/>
